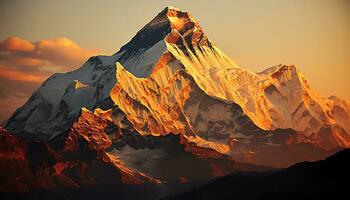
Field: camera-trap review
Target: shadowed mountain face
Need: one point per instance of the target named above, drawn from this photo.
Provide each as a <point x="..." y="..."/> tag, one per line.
<point x="325" y="179"/>
<point x="167" y="112"/>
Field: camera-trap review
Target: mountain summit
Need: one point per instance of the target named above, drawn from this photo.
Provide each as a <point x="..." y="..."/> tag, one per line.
<point x="170" y="79"/>
<point x="170" y="19"/>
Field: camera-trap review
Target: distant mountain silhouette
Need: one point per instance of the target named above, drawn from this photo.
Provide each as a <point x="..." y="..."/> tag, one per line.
<point x="325" y="179"/>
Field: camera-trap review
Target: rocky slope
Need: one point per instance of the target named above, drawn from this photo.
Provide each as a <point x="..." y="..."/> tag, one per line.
<point x="34" y="170"/>
<point x="100" y="160"/>
<point x="171" y="79"/>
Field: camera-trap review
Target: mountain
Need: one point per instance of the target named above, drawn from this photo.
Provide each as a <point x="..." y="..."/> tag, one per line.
<point x="170" y="79"/>
<point x="307" y="180"/>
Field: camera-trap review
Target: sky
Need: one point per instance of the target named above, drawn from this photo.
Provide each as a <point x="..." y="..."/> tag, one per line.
<point x="38" y="37"/>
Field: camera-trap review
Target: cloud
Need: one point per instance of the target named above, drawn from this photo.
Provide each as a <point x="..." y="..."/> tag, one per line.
<point x="61" y="53"/>
<point x="17" y="75"/>
<point x="25" y="64"/>
<point x="16" y="44"/>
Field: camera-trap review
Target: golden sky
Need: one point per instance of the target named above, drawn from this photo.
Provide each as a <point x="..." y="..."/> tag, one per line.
<point x="40" y="37"/>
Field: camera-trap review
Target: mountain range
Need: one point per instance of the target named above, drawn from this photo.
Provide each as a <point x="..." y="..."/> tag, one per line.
<point x="168" y="108"/>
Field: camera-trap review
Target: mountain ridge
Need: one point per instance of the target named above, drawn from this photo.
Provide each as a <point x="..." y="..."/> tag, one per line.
<point x="171" y="79"/>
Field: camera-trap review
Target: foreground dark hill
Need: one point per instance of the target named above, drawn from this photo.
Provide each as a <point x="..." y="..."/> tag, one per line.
<point x="325" y="179"/>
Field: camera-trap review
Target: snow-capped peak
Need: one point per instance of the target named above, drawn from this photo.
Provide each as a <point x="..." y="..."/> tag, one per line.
<point x="157" y="29"/>
<point x="171" y="30"/>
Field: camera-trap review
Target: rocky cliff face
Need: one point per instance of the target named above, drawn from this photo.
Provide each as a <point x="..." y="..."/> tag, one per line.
<point x="171" y="79"/>
<point x="28" y="166"/>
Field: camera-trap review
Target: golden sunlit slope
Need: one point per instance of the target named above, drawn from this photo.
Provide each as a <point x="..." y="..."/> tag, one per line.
<point x="279" y="97"/>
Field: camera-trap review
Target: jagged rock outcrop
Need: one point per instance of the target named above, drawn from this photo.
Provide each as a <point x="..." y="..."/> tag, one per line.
<point x="31" y="165"/>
